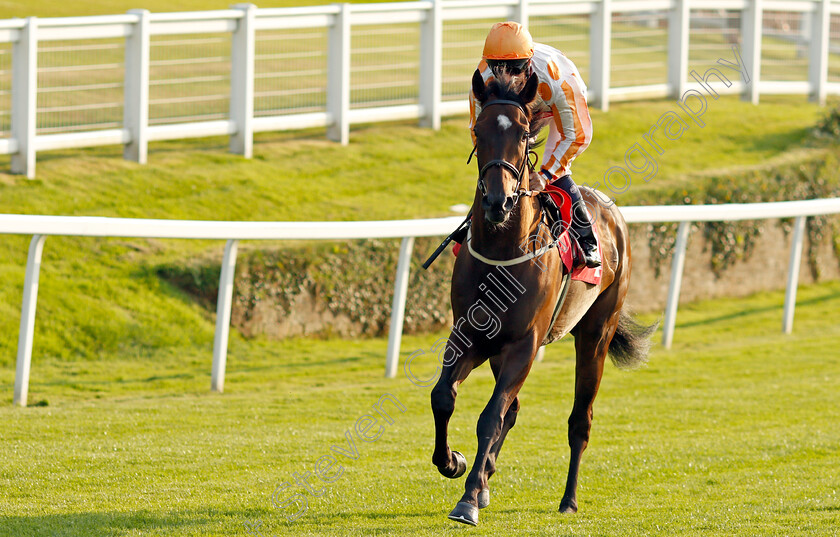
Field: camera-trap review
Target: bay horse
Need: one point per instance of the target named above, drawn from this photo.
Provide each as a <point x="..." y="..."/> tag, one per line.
<point x="504" y="302"/>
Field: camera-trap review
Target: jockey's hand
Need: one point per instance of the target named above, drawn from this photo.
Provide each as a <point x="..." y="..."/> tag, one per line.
<point x="536" y="182"/>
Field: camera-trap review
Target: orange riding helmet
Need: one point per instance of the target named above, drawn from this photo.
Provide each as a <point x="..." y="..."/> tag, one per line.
<point x="508" y="41"/>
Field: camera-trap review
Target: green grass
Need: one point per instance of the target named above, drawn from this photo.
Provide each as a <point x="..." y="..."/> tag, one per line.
<point x="50" y="8"/>
<point x="734" y="431"/>
<point x="714" y="437"/>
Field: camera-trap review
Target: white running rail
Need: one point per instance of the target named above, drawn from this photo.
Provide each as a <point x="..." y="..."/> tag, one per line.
<point x="42" y="226"/>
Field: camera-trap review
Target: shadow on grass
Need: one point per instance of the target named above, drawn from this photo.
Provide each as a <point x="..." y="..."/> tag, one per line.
<point x="71" y="383"/>
<point x="119" y="523"/>
<point x="752" y="311"/>
<point x="778" y="141"/>
<point x="198" y="372"/>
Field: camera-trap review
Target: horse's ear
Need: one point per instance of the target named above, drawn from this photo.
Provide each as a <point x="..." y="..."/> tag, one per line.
<point x="529" y="92"/>
<point x="478" y="87"/>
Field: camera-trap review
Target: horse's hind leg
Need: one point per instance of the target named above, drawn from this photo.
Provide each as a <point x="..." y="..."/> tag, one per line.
<point x="592" y="339"/>
<point x="451" y="464"/>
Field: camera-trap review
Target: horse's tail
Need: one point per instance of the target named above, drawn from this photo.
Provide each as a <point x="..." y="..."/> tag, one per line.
<point x="630" y="344"/>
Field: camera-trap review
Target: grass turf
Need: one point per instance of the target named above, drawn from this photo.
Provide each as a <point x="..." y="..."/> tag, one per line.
<point x="130" y="442"/>
<point x="734" y="431"/>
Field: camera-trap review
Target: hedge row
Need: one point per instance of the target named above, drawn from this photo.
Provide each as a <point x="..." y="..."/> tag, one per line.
<point x="356" y="278"/>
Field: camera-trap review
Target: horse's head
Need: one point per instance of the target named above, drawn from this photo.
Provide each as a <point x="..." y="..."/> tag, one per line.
<point x="502" y="137"/>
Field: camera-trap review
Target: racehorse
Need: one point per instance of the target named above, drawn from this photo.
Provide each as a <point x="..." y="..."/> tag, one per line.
<point x="506" y="324"/>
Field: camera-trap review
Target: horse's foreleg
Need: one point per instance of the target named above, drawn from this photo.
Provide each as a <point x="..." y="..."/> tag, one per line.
<point x="591" y="344"/>
<point x="507" y="424"/>
<point x="490" y="467"/>
<point x="515" y="363"/>
<point x="443" y="405"/>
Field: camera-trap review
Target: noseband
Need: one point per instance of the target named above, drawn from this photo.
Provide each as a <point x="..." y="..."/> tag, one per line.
<point x="519" y="172"/>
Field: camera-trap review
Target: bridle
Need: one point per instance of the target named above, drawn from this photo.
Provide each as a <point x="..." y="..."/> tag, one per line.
<point x="529" y="161"/>
<point x="518" y="172"/>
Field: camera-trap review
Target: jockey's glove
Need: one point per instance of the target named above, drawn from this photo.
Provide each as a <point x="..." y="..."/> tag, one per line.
<point x="536" y="182"/>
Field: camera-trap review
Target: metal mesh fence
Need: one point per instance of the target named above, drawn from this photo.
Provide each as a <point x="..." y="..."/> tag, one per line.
<point x="639" y="49"/>
<point x="5" y="89"/>
<point x="834" y="49"/>
<point x="711" y="36"/>
<point x="290" y="71"/>
<point x="189" y="78"/>
<point x="784" y="45"/>
<point x="463" y="42"/>
<point x="568" y="34"/>
<point x="384" y="65"/>
<point x="80" y="85"/>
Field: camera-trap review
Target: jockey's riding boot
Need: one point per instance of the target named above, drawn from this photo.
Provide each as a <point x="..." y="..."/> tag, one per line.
<point x="553" y="215"/>
<point x="582" y="227"/>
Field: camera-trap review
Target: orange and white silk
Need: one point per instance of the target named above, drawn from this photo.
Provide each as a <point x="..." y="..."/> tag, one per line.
<point x="564" y="93"/>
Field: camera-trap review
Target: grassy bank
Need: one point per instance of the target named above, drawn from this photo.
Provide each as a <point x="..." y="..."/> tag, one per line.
<point x="345" y="288"/>
<point x="732" y="432"/>
<point x="102" y="297"/>
<point x="388" y="170"/>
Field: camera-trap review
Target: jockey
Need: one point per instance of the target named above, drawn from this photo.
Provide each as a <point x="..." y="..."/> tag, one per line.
<point x="509" y="47"/>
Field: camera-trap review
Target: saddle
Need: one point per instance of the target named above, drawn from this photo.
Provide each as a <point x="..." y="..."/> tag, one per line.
<point x="556" y="200"/>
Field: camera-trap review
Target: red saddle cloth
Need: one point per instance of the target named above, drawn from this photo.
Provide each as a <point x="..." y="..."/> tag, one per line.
<point x="570" y="252"/>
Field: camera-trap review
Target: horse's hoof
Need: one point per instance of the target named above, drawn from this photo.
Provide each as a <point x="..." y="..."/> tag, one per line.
<point x="465" y="513"/>
<point x="484" y="498"/>
<point x="568" y="507"/>
<point x="460" y="466"/>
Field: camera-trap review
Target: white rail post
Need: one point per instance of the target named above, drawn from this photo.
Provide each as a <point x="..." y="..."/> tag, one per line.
<point x="136" y="108"/>
<point x="818" y="51"/>
<point x="398" y="307"/>
<point x="27" y="319"/>
<point x="521" y="13"/>
<point x="677" y="264"/>
<point x="243" y="50"/>
<point x="25" y="98"/>
<point x="223" y="307"/>
<point x="752" y="23"/>
<point x="540" y="354"/>
<point x="678" y="31"/>
<point x="600" y="31"/>
<point x="338" y="78"/>
<point x="793" y="273"/>
<point x="431" y="60"/>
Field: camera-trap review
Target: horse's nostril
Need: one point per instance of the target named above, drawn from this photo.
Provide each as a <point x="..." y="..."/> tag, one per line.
<point x="509" y="203"/>
<point x="491" y="202"/>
